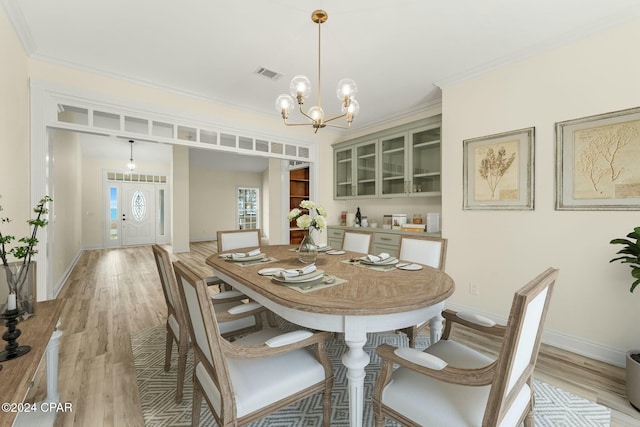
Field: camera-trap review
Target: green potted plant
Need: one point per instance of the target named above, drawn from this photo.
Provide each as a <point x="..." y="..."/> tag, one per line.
<point x="21" y="272"/>
<point x="630" y="254"/>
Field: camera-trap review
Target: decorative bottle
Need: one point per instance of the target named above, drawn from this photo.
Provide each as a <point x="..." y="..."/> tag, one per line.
<point x="358" y="217"/>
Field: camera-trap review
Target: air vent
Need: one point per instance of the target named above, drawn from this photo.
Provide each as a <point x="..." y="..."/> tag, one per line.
<point x="269" y="74"/>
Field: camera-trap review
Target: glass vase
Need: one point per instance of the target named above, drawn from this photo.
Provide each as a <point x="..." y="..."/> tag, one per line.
<point x="308" y="251"/>
<point x="20" y="279"/>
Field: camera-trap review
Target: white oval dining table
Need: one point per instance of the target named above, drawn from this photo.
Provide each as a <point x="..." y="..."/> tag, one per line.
<point x="369" y="301"/>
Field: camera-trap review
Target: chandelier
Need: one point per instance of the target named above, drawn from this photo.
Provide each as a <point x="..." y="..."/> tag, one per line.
<point x="300" y="89"/>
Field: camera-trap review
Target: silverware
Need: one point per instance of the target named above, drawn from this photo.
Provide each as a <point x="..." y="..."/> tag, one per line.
<point x="326" y="279"/>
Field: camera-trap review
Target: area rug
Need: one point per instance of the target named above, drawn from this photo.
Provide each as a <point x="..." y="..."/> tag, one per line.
<point x="554" y="407"/>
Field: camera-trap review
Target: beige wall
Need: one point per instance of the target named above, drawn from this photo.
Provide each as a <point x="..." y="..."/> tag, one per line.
<point x="14" y="133"/>
<point x="502" y="250"/>
<point x="213" y="200"/>
<point x="67" y="211"/>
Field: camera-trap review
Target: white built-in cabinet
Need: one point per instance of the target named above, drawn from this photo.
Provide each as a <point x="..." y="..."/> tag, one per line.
<point x="404" y="161"/>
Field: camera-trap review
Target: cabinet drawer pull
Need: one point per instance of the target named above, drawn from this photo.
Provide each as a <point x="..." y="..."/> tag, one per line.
<point x="385" y="238"/>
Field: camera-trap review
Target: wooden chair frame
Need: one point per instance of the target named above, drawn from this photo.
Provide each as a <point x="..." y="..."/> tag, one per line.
<point x="223" y="248"/>
<point x="443" y="248"/>
<point x="175" y="308"/>
<point x="496" y="374"/>
<point x="220" y="349"/>
<point x="412" y="332"/>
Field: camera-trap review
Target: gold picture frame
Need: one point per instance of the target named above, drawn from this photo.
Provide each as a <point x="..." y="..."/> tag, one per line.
<point x="598" y="162"/>
<point x="498" y="171"/>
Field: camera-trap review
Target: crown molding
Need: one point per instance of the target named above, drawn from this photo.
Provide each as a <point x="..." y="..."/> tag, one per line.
<point x="19" y="24"/>
<point x="575" y="35"/>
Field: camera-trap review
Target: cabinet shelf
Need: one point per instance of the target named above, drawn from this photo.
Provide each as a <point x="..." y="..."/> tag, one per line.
<point x="344" y="183"/>
<point x="367" y="156"/>
<point x="393" y="178"/>
<point x="422" y="175"/>
<point x="393" y="150"/>
<point x="298" y="191"/>
<point x="426" y="144"/>
<point x="365" y="181"/>
<point x="344" y="161"/>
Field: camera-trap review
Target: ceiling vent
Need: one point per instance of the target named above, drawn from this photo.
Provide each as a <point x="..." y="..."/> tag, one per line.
<point x="269" y="74"/>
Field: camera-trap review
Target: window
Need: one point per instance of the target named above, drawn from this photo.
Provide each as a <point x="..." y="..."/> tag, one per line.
<point x="114" y="216"/>
<point x="248" y="208"/>
<point x="138" y="206"/>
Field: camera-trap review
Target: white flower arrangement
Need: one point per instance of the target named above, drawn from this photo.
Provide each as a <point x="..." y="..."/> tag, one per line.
<point x="316" y="217"/>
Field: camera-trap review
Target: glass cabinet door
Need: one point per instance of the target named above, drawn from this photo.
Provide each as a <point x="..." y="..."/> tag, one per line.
<point x="366" y="171"/>
<point x="425" y="161"/>
<point x="393" y="159"/>
<point x="343" y="173"/>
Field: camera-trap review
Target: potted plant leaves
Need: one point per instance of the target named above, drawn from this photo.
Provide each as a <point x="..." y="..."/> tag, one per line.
<point x="630" y="254"/>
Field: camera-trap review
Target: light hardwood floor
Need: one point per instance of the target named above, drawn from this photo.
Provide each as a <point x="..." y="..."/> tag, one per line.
<point x="111" y="293"/>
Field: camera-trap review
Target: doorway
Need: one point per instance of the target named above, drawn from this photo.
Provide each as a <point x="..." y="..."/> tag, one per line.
<point x="136" y="210"/>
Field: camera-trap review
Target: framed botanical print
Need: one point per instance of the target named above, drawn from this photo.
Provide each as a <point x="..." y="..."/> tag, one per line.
<point x="598" y="162"/>
<point x="498" y="171"/>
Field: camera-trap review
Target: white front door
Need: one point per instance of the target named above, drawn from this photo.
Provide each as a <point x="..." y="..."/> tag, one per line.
<point x="138" y="214"/>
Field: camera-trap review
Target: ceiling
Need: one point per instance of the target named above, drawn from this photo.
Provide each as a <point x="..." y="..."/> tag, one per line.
<point x="397" y="51"/>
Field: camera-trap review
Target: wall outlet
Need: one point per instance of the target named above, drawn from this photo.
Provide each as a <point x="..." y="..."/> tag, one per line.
<point x="474" y="288"/>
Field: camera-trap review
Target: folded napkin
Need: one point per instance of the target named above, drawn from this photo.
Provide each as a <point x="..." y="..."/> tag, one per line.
<point x="298" y="272"/>
<point x="238" y="255"/>
<point x="377" y="258"/>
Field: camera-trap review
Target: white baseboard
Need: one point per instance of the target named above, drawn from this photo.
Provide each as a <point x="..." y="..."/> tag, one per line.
<point x="60" y="283"/>
<point x="593" y="350"/>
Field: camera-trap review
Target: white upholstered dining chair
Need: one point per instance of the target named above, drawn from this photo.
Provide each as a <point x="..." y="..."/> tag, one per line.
<point x="452" y="385"/>
<point x="244" y="380"/>
<point x="357" y="241"/>
<point x="229" y="240"/>
<point x="431" y="251"/>
<point x="235" y="317"/>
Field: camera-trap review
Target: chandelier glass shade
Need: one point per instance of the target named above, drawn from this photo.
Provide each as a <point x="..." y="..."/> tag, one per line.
<point x="300" y="89"/>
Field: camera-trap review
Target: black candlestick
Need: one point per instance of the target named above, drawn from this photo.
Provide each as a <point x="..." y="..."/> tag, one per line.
<point x="12" y="349"/>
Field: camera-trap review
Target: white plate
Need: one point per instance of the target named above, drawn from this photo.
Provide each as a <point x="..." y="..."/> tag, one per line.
<point x="270" y="271"/>
<point x="412" y="267"/>
<point x="247" y="258"/>
<point x="335" y="252"/>
<point x="294" y="282"/>
<point x="307" y="278"/>
<point x="324" y="249"/>
<point x="388" y="261"/>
